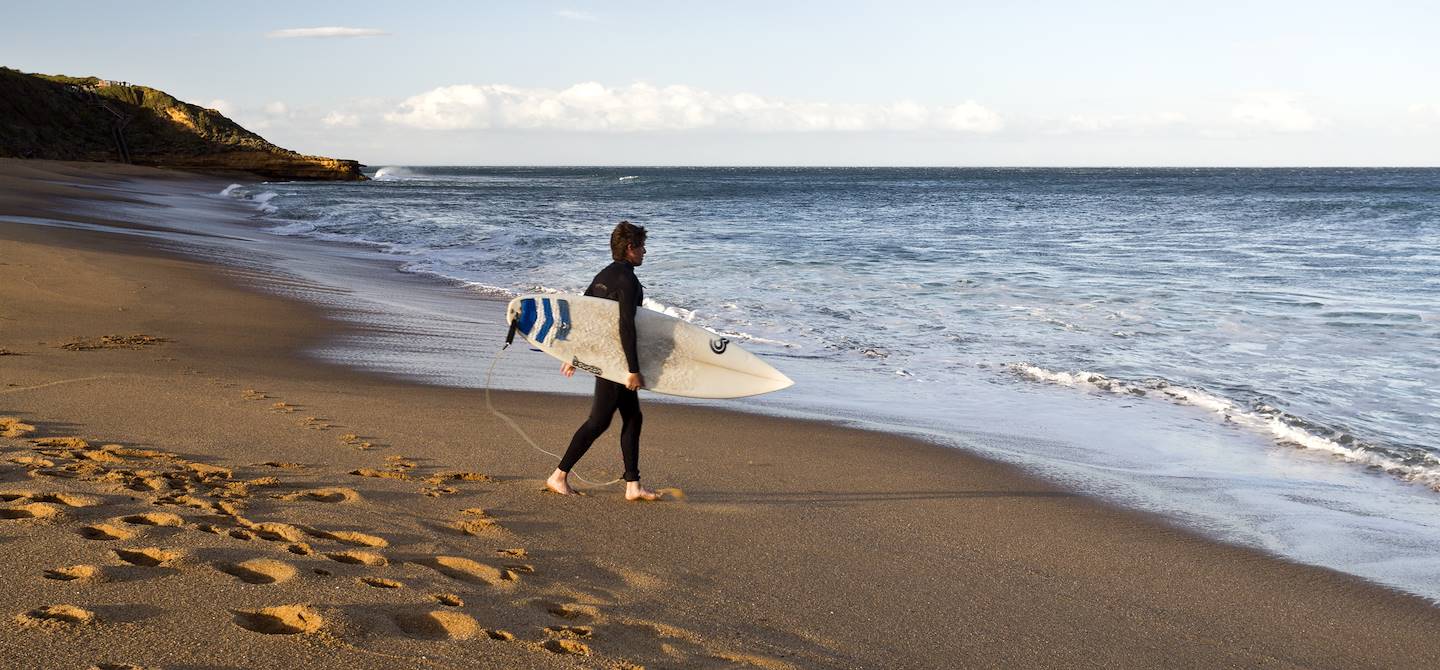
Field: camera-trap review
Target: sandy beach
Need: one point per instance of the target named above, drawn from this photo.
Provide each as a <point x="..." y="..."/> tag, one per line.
<point x="180" y="487"/>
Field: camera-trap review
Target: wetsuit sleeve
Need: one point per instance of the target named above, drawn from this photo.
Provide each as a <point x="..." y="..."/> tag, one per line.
<point x="626" y="296"/>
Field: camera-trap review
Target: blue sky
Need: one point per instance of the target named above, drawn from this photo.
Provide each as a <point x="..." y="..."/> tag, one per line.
<point x="766" y="83"/>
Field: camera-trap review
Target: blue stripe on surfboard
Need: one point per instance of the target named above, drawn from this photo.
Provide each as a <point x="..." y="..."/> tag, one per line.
<point x="545" y="326"/>
<point x="527" y="316"/>
<point x="563" y="331"/>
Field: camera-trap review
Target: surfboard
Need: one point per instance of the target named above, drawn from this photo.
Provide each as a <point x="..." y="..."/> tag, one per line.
<point x="676" y="358"/>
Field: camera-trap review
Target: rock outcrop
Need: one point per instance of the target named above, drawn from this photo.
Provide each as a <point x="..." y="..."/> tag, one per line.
<point x="90" y="119"/>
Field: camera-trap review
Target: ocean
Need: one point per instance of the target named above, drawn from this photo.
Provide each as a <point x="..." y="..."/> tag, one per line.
<point x="1249" y="352"/>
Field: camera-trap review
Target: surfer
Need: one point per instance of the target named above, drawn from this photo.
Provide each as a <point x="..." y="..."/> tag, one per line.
<point x="616" y="282"/>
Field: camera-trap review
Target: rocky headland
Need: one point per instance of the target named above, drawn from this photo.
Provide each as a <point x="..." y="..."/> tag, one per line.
<point x="90" y="119"/>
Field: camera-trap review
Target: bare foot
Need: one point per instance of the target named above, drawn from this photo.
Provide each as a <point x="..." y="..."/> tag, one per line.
<point x="559" y="483"/>
<point x="635" y="492"/>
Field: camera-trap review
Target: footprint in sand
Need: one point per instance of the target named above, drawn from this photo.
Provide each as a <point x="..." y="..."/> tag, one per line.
<point x="475" y="521"/>
<point x="105" y="531"/>
<point x="56" y="614"/>
<point x="149" y="557"/>
<point x="350" y="537"/>
<point x="465" y="570"/>
<point x="121" y="666"/>
<point x="13" y="427"/>
<point x="570" y="632"/>
<point x="379" y="474"/>
<point x="570" y="612"/>
<point x="282" y="620"/>
<point x="449" y="599"/>
<point x="154" y="519"/>
<point x="258" y="571"/>
<point x="332" y="494"/>
<point x="68" y="499"/>
<point x="358" y="557"/>
<point x="561" y="646"/>
<point x="73" y="573"/>
<point x="276" y="532"/>
<point x="438" y="625"/>
<point x="380" y="582"/>
<point x="300" y="549"/>
<point x="30" y="511"/>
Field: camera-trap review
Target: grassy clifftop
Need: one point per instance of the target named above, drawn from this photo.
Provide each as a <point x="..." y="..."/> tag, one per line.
<point x="89" y="119"/>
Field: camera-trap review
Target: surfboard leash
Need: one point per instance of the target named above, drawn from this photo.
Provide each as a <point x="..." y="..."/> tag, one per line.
<point x="516" y="427"/>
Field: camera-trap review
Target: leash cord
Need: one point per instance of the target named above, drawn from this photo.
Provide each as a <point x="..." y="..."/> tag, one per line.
<point x="510" y="422"/>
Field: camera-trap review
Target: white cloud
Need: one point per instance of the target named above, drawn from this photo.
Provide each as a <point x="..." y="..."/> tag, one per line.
<point x="1423" y="110"/>
<point x="276" y="108"/>
<point x="222" y="106"/>
<point x="338" y="119"/>
<point x="576" y="16"/>
<point x="1274" y="111"/>
<point x="324" y="31"/>
<point x="591" y="106"/>
<point x="1116" y="123"/>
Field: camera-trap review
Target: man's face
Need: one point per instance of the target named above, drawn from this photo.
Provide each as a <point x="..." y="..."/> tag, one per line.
<point x="636" y="254"/>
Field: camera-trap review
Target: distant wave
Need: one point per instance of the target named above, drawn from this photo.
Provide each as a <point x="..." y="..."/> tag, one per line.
<point x="1421" y="468"/>
<point x="393" y="173"/>
<point x="628" y="178"/>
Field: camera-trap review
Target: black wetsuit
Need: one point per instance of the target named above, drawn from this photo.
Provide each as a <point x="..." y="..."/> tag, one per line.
<point x="616" y="282"/>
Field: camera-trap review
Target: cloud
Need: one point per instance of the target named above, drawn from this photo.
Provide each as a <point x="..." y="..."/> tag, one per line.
<point x="222" y="106"/>
<point x="576" y="16"/>
<point x="276" y="108"/>
<point x="1423" y="110"/>
<point x="1274" y="111"/>
<point x="593" y="107"/>
<point x="1115" y="123"/>
<point x="338" y="119"/>
<point x="326" y="31"/>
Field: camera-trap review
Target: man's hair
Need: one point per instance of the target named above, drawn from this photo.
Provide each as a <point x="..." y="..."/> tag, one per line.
<point x="624" y="236"/>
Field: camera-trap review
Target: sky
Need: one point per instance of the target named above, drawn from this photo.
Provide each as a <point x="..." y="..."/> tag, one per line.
<point x="1029" y="83"/>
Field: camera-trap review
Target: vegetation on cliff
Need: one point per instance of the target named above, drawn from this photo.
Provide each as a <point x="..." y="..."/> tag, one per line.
<point x="90" y="119"/>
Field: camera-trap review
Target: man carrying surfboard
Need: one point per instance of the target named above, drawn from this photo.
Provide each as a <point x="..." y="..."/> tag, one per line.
<point x="616" y="282"/>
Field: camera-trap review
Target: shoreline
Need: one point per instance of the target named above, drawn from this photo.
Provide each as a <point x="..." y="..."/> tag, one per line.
<point x="777" y="558"/>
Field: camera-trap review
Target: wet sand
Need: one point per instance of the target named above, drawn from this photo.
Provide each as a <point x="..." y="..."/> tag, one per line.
<point x="181" y="488"/>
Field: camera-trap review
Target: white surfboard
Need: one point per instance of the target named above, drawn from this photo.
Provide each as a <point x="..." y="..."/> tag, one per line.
<point x="676" y="357"/>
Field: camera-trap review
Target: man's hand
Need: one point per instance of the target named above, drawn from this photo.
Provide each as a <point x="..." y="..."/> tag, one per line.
<point x="634" y="381"/>
<point x="567" y="369"/>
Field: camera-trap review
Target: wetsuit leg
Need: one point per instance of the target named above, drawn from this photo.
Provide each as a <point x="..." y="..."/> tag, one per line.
<point x="607" y="395"/>
<point x="629" y="405"/>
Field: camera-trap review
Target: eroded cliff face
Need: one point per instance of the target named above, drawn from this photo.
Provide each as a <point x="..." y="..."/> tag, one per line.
<point x="71" y="118"/>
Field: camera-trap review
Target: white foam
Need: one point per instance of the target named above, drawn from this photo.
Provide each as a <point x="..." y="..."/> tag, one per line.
<point x="393" y="173"/>
<point x="229" y="191"/>
<point x="289" y="229"/>
<point x="1264" y="420"/>
<point x="628" y="178"/>
<point x="686" y="315"/>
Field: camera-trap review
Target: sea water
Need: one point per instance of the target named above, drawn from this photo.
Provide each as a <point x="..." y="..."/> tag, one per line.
<point x="1251" y="352"/>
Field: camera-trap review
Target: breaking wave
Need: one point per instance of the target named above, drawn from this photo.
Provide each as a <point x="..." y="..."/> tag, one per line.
<point x="1412" y="465"/>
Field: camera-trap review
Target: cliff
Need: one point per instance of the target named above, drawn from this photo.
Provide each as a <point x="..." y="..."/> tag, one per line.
<point x="89" y="119"/>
